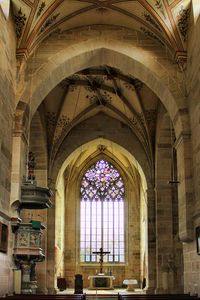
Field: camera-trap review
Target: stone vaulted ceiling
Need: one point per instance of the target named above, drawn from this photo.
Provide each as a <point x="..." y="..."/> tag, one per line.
<point x="165" y="21"/>
<point x="100" y="90"/>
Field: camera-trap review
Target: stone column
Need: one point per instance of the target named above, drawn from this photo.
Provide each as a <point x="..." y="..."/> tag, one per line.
<point x="164" y="239"/>
<point x="26" y="282"/>
<point x="18" y="167"/>
<point x="50" y="253"/>
<point x="29" y="282"/>
<point x="19" y="153"/>
<point x="151" y="280"/>
<point x="185" y="187"/>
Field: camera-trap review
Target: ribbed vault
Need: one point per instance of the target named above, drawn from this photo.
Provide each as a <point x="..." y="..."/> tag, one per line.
<point x="165" y="21"/>
<point x="100" y="89"/>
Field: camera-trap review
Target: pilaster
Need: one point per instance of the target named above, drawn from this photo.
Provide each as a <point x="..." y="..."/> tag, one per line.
<point x="50" y="253"/>
<point x="19" y="152"/>
<point x="151" y="280"/>
<point x="164" y="239"/>
<point x="185" y="187"/>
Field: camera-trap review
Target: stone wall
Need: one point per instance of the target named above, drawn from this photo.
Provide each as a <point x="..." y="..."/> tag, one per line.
<point x="191" y="259"/>
<point x="7" y="103"/>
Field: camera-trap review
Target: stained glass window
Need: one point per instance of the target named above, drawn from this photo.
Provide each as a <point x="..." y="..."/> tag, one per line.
<point x="102" y="213"/>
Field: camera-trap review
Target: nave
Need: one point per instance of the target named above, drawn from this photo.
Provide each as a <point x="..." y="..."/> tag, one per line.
<point x="99" y="147"/>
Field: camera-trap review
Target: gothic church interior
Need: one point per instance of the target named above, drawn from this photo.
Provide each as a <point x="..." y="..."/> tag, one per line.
<point x="99" y="143"/>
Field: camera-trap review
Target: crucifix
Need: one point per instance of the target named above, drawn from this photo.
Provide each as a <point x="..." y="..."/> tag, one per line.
<point x="101" y="253"/>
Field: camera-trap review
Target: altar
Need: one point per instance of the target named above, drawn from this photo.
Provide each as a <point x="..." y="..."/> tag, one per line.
<point x="101" y="282"/>
<point x="131" y="283"/>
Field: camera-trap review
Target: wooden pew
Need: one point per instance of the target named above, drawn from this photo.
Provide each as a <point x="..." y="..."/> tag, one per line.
<point x="45" y="297"/>
<point x="156" y="297"/>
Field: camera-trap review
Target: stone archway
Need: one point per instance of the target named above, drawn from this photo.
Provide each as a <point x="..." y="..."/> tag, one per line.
<point x="133" y="148"/>
<point x="143" y="65"/>
<point x="161" y="78"/>
<point x="67" y="204"/>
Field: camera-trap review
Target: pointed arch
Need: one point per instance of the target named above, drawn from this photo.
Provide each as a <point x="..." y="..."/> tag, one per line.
<point x="130" y="59"/>
<point x="102" y="207"/>
<point x="68" y="182"/>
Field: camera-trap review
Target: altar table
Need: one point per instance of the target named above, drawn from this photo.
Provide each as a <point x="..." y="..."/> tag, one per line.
<point x="101" y="282"/>
<point x="130" y="284"/>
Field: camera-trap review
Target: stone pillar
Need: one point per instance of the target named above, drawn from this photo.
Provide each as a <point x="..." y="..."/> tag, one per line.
<point x="18" y="167"/>
<point x="185" y="187"/>
<point x="151" y="280"/>
<point x="19" y="153"/>
<point x="50" y="254"/>
<point x="164" y="239"/>
<point x="26" y="282"/>
<point x="29" y="282"/>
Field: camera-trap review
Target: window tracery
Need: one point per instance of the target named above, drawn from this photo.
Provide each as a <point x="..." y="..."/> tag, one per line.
<point x="102" y="213"/>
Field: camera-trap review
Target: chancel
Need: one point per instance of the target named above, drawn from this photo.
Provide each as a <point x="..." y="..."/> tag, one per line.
<point x="99" y="147"/>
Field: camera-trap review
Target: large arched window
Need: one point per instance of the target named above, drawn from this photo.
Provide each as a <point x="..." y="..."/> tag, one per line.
<point x="102" y="213"/>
